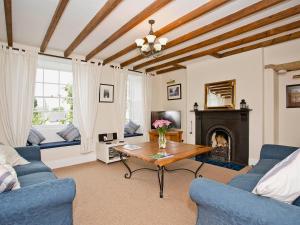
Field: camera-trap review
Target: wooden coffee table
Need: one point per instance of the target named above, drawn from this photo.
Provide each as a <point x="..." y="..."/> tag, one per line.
<point x="177" y="150"/>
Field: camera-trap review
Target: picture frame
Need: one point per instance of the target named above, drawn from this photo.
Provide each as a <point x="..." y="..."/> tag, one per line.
<point x="293" y="96"/>
<point x="106" y="93"/>
<point x="174" y="92"/>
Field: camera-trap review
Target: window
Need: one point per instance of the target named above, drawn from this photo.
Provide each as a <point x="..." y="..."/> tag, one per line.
<point x="135" y="102"/>
<point x="53" y="102"/>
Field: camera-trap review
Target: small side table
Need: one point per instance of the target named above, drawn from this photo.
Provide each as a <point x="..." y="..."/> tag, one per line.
<point x="106" y="153"/>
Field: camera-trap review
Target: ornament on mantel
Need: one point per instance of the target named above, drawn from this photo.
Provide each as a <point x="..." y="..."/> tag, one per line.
<point x="243" y="104"/>
<point x="196" y="106"/>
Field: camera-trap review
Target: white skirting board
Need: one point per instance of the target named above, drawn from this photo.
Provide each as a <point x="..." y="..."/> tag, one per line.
<point x="65" y="156"/>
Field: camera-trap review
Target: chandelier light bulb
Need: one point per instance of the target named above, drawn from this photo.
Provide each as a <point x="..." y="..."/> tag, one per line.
<point x="145" y="48"/>
<point x="157" y="47"/>
<point x="151" y="38"/>
<point x="163" y="41"/>
<point x="139" y="42"/>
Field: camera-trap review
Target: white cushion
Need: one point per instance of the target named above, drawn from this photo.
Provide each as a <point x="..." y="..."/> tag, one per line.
<point x="10" y="156"/>
<point x="282" y="182"/>
<point x="8" y="178"/>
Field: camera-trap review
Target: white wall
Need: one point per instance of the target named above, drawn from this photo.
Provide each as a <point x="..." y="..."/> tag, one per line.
<point x="247" y="69"/>
<point x="281" y="123"/>
<point x="289" y="118"/>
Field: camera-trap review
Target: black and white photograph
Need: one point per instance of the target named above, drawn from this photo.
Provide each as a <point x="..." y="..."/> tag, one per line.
<point x="174" y="92"/>
<point x="106" y="93"/>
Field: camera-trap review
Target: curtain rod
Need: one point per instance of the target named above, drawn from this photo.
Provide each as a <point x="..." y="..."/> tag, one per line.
<point x="62" y="57"/>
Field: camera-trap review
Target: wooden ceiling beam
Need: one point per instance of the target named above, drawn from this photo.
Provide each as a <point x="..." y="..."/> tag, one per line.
<point x="200" y="11"/>
<point x="292" y="66"/>
<point x="108" y="7"/>
<point x="173" y="68"/>
<point x="252" y="9"/>
<point x="154" y="7"/>
<point x="229" y="45"/>
<point x="238" y="31"/>
<point x="264" y="44"/>
<point x="55" y="19"/>
<point x="8" y="21"/>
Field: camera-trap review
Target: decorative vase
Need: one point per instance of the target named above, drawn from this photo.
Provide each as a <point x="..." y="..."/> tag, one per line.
<point x="162" y="140"/>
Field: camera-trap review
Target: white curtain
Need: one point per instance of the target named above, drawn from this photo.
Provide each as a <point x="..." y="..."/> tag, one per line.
<point x="120" y="78"/>
<point x="86" y="94"/>
<point x="147" y="90"/>
<point x="17" y="79"/>
<point x="135" y="98"/>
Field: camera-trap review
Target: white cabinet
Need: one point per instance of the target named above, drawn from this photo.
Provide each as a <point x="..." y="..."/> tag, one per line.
<point x="106" y="153"/>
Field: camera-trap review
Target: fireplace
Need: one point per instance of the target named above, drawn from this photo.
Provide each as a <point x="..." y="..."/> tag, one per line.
<point x="220" y="140"/>
<point x="227" y="132"/>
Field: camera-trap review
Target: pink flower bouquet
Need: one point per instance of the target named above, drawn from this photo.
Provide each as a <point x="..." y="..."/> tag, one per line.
<point x="161" y="125"/>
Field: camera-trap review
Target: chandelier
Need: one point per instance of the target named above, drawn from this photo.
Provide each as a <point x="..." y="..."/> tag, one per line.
<point x="152" y="47"/>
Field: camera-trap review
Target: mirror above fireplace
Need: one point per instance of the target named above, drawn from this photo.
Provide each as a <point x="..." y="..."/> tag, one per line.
<point x="220" y="95"/>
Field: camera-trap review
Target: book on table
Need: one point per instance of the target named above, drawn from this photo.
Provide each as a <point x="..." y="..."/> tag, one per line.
<point x="131" y="147"/>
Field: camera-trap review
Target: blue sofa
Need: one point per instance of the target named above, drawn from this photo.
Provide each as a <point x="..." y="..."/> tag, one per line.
<point x="234" y="204"/>
<point x="42" y="199"/>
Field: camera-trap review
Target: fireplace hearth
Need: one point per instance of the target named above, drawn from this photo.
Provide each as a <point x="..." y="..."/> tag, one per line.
<point x="227" y="131"/>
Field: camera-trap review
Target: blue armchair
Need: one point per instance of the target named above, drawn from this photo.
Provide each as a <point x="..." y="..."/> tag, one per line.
<point x="42" y="199"/>
<point x="234" y="204"/>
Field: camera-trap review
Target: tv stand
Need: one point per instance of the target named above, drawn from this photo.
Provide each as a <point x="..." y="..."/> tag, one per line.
<point x="171" y="135"/>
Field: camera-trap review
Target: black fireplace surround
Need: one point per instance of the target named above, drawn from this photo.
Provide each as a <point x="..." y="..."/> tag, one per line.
<point x="235" y="123"/>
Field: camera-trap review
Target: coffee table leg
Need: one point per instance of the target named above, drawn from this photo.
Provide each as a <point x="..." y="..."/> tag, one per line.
<point x="127" y="175"/>
<point x="160" y="174"/>
<point x="198" y="170"/>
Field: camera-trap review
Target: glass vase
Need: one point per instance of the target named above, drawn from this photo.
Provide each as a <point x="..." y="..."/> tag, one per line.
<point x="162" y="140"/>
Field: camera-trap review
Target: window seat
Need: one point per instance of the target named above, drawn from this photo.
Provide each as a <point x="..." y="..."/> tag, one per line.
<point x="132" y="135"/>
<point x="59" y="144"/>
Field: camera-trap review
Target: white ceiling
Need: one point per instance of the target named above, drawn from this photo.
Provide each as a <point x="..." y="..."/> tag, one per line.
<point x="31" y="19"/>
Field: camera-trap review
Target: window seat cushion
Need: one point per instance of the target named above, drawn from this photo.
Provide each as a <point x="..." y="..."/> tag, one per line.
<point x="126" y="135"/>
<point x="59" y="144"/>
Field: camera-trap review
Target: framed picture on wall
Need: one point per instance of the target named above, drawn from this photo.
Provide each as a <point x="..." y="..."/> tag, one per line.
<point x="174" y="92"/>
<point x="106" y="93"/>
<point x="293" y="96"/>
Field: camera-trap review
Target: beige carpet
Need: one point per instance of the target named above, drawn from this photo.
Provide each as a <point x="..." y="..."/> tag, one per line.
<point x="105" y="197"/>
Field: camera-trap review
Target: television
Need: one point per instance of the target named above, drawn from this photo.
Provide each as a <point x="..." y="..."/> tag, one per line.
<point x="173" y="116"/>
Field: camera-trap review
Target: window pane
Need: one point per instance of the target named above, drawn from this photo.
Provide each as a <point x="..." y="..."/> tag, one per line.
<point x="51" y="76"/>
<point x="51" y="90"/>
<point x="39" y="75"/>
<point x="38" y="118"/>
<point x="55" y="117"/>
<point x="67" y="103"/>
<point x="63" y="91"/>
<point x="38" y="89"/>
<point x="52" y="104"/>
<point x="66" y="77"/>
<point x="38" y="104"/>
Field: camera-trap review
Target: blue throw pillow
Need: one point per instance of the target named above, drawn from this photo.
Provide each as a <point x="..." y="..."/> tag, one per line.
<point x="131" y="127"/>
<point x="70" y="133"/>
<point x="35" y="137"/>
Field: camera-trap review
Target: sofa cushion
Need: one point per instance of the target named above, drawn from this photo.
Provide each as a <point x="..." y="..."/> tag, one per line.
<point x="32" y="167"/>
<point x="282" y="181"/>
<point x="246" y="181"/>
<point x="8" y="178"/>
<point x="264" y="165"/>
<point x="35" y="178"/>
<point x="297" y="202"/>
